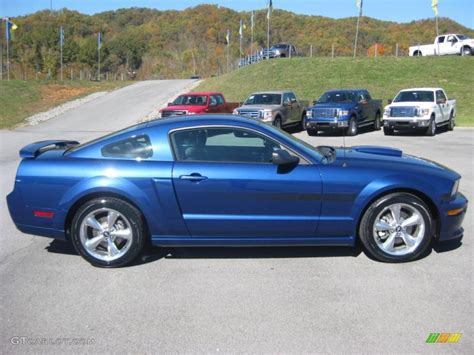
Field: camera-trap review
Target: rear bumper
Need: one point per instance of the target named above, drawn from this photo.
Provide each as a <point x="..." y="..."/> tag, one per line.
<point x="451" y="226"/>
<point x="401" y="124"/>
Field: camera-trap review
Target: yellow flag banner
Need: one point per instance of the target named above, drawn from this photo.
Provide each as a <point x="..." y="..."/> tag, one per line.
<point x="434" y="6"/>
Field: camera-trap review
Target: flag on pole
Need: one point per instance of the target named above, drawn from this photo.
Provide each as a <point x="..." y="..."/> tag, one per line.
<point x="242" y="28"/>
<point x="99" y="41"/>
<point x="61" y="36"/>
<point x="270" y="8"/>
<point x="434" y="6"/>
<point x="227" y="37"/>
<point x="359" y="4"/>
<point x="9" y="28"/>
<point x="252" y="23"/>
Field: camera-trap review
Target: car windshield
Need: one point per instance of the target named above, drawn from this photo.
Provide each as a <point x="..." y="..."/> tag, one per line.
<point x="462" y="37"/>
<point x="279" y="46"/>
<point x="335" y="97"/>
<point x="263" y="99"/>
<point x="200" y="100"/>
<point x="415" y="96"/>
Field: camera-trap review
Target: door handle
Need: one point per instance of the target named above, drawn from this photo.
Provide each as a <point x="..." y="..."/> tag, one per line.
<point x="193" y="177"/>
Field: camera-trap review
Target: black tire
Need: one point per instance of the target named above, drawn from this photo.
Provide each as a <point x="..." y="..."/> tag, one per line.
<point x="377" y="123"/>
<point x="303" y="122"/>
<point x="352" y="129"/>
<point x="431" y="130"/>
<point x="277" y="122"/>
<point x="417" y="54"/>
<point x="466" y="51"/>
<point x="451" y="122"/>
<point x="133" y="217"/>
<point x="312" y="132"/>
<point x="388" y="131"/>
<point x="372" y="241"/>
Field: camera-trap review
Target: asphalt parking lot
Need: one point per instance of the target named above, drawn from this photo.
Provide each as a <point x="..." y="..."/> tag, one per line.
<point x="236" y="299"/>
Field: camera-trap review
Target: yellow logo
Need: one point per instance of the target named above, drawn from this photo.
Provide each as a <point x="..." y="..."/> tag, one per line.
<point x="444" y="338"/>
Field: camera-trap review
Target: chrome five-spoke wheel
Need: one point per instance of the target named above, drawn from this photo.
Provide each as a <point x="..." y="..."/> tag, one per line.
<point x="399" y="229"/>
<point x="106" y="234"/>
<point x="396" y="227"/>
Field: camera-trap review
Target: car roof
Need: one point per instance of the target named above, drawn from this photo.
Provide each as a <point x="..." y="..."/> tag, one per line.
<point x="202" y="93"/>
<point x="271" y="92"/>
<point x="206" y="119"/>
<point x="346" y="90"/>
<point x="422" y="89"/>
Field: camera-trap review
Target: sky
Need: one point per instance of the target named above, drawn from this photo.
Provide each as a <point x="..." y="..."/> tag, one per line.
<point x="461" y="11"/>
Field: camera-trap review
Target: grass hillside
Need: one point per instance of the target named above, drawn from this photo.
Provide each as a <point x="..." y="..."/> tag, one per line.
<point x="20" y="99"/>
<point x="383" y="77"/>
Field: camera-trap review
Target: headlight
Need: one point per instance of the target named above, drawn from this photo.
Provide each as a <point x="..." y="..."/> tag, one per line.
<point x="277" y="52"/>
<point x="423" y="111"/>
<point x="341" y="113"/>
<point x="387" y="112"/>
<point x="265" y="114"/>
<point x="235" y="112"/>
<point x="455" y="188"/>
<point x="309" y="114"/>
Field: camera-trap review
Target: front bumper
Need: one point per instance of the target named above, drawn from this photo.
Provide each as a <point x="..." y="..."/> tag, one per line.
<point x="451" y="226"/>
<point x="404" y="124"/>
<point x="325" y="125"/>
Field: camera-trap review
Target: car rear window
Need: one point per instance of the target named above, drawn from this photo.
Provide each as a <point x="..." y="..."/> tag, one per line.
<point x="134" y="147"/>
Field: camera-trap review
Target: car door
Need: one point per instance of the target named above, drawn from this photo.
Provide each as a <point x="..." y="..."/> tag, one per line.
<point x="226" y="185"/>
<point x="364" y="107"/>
<point x="286" y="109"/>
<point x="452" y="45"/>
<point x="295" y="108"/>
<point x="442" y="103"/>
<point x="213" y="106"/>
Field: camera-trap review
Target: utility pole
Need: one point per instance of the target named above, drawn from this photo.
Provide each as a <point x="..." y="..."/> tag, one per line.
<point x="359" y="5"/>
<point x="269" y="15"/>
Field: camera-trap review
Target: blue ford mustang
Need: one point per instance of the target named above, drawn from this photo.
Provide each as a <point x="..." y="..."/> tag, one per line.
<point x="226" y="180"/>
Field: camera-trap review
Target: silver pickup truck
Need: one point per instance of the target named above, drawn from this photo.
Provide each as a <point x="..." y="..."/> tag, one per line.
<point x="281" y="108"/>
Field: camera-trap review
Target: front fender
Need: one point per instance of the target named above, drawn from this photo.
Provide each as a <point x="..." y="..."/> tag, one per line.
<point x="387" y="184"/>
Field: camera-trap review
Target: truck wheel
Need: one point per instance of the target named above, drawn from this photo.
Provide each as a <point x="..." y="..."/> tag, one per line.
<point x="466" y="51"/>
<point x="388" y="131"/>
<point x="451" y="122"/>
<point x="312" y="132"/>
<point x="352" y="130"/>
<point x="377" y="124"/>
<point x="277" y="122"/>
<point x="417" y="54"/>
<point x="303" y="122"/>
<point x="431" y="130"/>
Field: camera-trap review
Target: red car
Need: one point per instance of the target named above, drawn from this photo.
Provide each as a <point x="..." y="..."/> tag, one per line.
<point x="198" y="102"/>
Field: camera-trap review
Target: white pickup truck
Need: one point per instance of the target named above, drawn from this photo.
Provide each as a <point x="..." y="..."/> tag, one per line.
<point x="419" y="108"/>
<point x="444" y="45"/>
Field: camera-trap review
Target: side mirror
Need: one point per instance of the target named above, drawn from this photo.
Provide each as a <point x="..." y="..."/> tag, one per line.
<point x="170" y="103"/>
<point x="441" y="101"/>
<point x="287" y="103"/>
<point x="389" y="101"/>
<point x="282" y="157"/>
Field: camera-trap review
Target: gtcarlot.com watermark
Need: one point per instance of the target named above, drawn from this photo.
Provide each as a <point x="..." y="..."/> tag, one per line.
<point x="60" y="341"/>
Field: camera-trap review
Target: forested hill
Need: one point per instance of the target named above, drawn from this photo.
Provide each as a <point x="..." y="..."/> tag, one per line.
<point x="164" y="44"/>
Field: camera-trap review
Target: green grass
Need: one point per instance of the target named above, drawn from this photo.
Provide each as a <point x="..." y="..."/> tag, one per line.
<point x="21" y="99"/>
<point x="383" y="77"/>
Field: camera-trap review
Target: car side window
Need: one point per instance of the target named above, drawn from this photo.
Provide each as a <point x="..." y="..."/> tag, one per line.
<point x="440" y="96"/>
<point x="134" y="147"/>
<point x="286" y="98"/>
<point x="441" y="39"/>
<point x="292" y="97"/>
<point x="220" y="100"/>
<point x="367" y="96"/>
<point x="225" y="145"/>
<point x="213" y="101"/>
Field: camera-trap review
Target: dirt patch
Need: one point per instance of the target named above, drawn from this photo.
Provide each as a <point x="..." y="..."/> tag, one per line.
<point x="52" y="94"/>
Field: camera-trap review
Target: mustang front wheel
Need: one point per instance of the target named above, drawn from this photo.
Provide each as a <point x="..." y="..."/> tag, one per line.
<point x="396" y="228"/>
<point x="108" y="232"/>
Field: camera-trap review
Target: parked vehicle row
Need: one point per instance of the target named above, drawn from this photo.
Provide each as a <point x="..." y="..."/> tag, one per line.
<point x="346" y="110"/>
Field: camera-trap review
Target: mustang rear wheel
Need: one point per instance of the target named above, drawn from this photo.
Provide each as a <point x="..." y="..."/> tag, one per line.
<point x="108" y="232"/>
<point x="396" y="228"/>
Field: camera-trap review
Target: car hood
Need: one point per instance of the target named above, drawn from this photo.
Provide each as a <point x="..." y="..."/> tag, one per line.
<point x="379" y="157"/>
<point x="258" y="107"/>
<point x="192" y="108"/>
<point x="411" y="104"/>
<point x="341" y="105"/>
